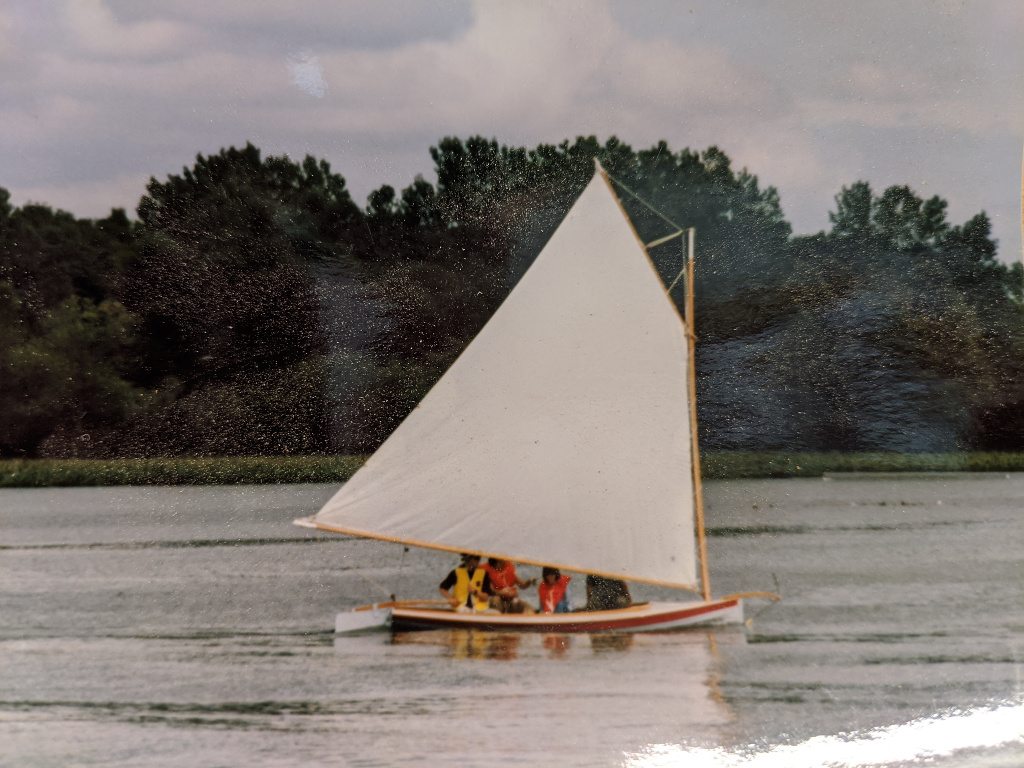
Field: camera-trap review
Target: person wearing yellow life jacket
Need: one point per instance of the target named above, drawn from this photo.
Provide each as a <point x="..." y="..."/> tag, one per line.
<point x="468" y="587"/>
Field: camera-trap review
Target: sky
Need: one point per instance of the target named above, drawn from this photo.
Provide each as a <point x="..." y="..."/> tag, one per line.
<point x="97" y="96"/>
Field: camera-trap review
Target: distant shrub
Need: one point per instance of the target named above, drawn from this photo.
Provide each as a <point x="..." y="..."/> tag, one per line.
<point x="995" y="462"/>
<point x="735" y="465"/>
<point x="38" y="473"/>
<point x="41" y="473"/>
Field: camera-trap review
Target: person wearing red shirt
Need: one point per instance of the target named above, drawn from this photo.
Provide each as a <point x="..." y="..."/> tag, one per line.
<point x="505" y="586"/>
<point x="553" y="592"/>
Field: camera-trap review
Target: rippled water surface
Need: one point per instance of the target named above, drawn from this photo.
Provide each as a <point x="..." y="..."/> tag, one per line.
<point x="191" y="627"/>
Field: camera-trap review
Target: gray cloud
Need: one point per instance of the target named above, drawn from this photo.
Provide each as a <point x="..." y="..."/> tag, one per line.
<point x="97" y="96"/>
<point x="279" y="27"/>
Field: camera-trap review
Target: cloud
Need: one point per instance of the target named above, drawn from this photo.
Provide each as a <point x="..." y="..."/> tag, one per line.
<point x="809" y="97"/>
<point x="93" y="28"/>
<point x="277" y="27"/>
<point x="123" y="190"/>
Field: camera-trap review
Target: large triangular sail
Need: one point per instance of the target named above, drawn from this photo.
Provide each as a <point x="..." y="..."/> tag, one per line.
<point x="561" y="435"/>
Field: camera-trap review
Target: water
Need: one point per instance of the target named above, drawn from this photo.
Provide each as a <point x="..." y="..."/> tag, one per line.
<point x="191" y="627"/>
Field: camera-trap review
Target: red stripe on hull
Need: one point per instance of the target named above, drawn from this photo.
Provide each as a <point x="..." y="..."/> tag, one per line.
<point x="404" y="619"/>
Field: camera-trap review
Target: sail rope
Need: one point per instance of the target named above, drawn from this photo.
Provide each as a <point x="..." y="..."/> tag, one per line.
<point x="681" y="271"/>
<point x="777" y="598"/>
<point x="661" y="240"/>
<point x="398" y="576"/>
<point x="375" y="583"/>
<point x="679" y="229"/>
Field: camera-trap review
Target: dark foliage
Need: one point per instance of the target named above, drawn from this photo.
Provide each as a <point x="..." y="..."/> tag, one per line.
<point x="893" y="326"/>
<point x="66" y="342"/>
<point x="229" y="313"/>
<point x="255" y="309"/>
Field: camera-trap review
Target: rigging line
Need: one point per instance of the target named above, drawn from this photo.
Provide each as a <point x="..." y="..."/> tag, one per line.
<point x="683" y="270"/>
<point x="778" y="592"/>
<point x="374" y="582"/>
<point x="664" y="239"/>
<point x="678" y="278"/>
<point x="398" y="577"/>
<point x="647" y="205"/>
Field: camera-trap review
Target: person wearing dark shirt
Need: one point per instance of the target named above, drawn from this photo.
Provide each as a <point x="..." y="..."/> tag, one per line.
<point x="607" y="594"/>
<point x="467" y="587"/>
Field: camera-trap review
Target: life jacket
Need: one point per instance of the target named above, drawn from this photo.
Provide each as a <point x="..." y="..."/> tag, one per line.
<point x="463" y="580"/>
<point x="502" y="578"/>
<point x="550" y="596"/>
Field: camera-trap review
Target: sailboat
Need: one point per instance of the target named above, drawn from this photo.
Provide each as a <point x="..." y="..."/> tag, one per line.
<point x="564" y="435"/>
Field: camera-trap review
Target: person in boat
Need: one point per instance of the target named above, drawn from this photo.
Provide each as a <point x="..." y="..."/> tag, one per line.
<point x="505" y="585"/>
<point x="553" y="591"/>
<point x="467" y="587"/>
<point x="607" y="594"/>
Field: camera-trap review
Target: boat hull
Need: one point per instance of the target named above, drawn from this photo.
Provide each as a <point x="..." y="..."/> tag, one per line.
<point x="367" y="619"/>
<point x="643" y="617"/>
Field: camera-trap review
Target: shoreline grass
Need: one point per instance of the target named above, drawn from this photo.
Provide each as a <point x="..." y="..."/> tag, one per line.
<point x="43" y="473"/>
<point x="232" y="470"/>
<point x="723" y="466"/>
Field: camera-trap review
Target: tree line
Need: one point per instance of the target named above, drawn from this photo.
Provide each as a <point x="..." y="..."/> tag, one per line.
<point x="253" y="308"/>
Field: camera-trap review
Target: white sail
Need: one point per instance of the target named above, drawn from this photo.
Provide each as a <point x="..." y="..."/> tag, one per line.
<point x="561" y="434"/>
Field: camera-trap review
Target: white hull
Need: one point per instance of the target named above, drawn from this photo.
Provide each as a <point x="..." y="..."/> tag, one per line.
<point x="643" y="617"/>
<point x="367" y="618"/>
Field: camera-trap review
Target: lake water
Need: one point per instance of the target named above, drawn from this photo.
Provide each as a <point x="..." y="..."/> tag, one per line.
<point x="191" y="627"/>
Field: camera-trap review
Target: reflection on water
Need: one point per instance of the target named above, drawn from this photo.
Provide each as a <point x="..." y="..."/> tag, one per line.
<point x="462" y="643"/>
<point x="556" y="644"/>
<point x="506" y="646"/>
<point x="570" y="698"/>
<point x="612" y="641"/>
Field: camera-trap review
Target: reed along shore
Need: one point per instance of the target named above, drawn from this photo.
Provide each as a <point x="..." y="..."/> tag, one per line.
<point x="226" y="470"/>
<point x="41" y="473"/>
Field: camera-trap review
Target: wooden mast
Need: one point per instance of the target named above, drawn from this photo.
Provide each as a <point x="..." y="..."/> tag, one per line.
<point x="698" y="491"/>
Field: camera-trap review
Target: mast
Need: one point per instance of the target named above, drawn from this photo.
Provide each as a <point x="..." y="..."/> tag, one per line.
<point x="688" y="320"/>
<point x="698" y="490"/>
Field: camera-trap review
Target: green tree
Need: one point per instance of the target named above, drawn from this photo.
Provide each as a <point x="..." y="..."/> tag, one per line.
<point x="922" y="301"/>
<point x="852" y="216"/>
<point x="897" y="217"/>
<point x="63" y="388"/>
<point x="226" y="296"/>
<point x="66" y="343"/>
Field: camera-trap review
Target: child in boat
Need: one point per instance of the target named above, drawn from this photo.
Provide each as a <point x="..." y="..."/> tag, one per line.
<point x="467" y="587"/>
<point x="505" y="586"/>
<point x="607" y="594"/>
<point x="553" y="591"/>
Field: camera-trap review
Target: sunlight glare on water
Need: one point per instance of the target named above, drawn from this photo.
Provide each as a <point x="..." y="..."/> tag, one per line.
<point x="926" y="739"/>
